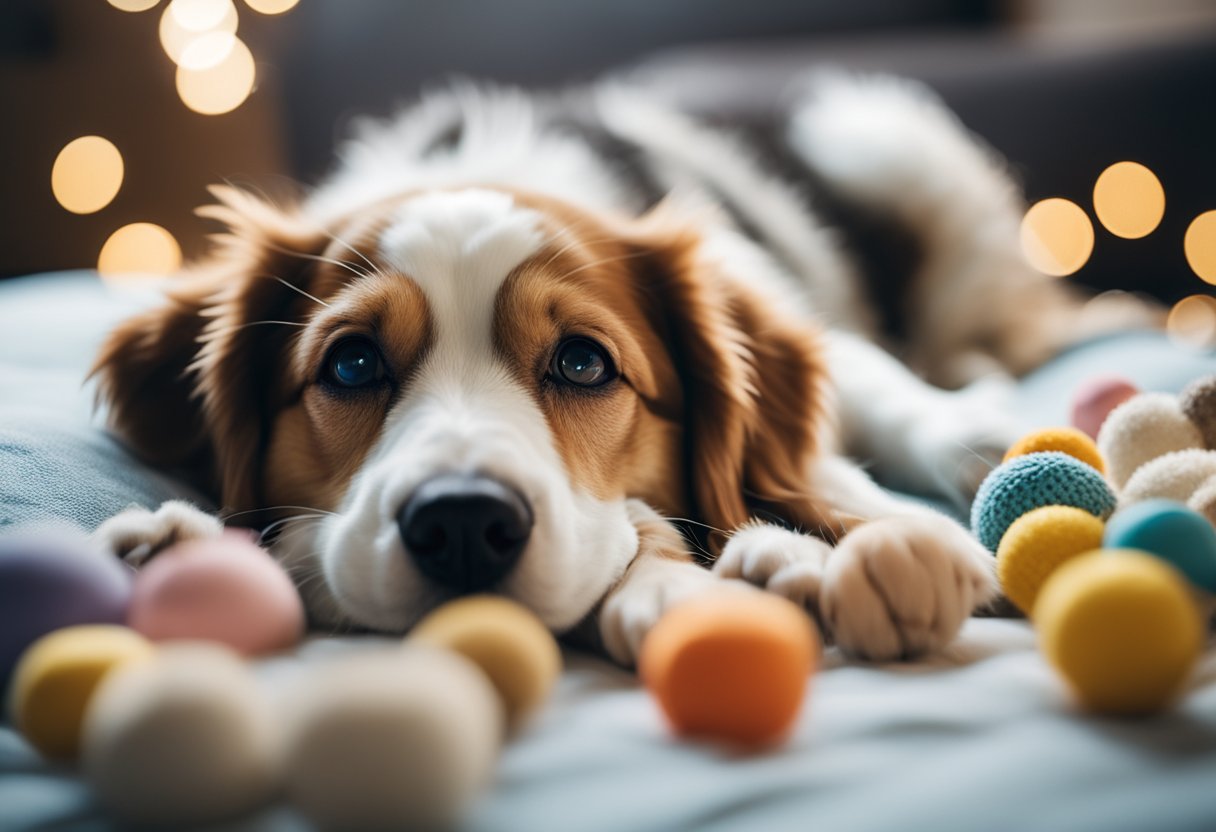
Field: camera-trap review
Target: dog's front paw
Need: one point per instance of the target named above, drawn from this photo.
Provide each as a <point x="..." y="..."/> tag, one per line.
<point x="778" y="560"/>
<point x="900" y="587"/>
<point x="137" y="534"/>
<point x="630" y="613"/>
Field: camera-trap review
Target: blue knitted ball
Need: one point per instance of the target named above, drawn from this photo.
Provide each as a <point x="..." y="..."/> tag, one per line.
<point x="1024" y="483"/>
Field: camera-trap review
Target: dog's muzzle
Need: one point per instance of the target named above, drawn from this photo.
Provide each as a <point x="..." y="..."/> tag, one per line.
<point x="465" y="532"/>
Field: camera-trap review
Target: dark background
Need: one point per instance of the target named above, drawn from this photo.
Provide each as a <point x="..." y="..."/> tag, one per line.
<point x="1063" y="88"/>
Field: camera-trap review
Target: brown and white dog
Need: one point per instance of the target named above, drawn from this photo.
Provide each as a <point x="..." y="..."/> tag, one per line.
<point x="576" y="354"/>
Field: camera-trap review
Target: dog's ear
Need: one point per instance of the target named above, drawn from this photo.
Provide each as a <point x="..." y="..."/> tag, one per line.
<point x="755" y="387"/>
<point x="191" y="384"/>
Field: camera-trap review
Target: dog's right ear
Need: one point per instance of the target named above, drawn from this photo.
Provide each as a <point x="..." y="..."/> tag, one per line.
<point x="159" y="371"/>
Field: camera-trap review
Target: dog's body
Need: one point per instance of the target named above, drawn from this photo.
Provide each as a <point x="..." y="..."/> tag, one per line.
<point x="513" y="340"/>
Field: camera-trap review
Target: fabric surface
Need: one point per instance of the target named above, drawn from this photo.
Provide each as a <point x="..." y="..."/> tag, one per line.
<point x="983" y="737"/>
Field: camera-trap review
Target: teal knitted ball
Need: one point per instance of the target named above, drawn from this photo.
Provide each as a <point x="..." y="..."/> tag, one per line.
<point x="1024" y="483"/>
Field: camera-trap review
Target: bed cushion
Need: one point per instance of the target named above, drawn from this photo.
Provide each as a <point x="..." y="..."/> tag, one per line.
<point x="982" y="737"/>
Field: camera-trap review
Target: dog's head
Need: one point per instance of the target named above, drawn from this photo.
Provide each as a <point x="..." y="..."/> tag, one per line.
<point x="458" y="390"/>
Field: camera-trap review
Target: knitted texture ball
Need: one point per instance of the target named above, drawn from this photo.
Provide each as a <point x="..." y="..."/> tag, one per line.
<point x="1174" y="476"/>
<point x="1066" y="440"/>
<point x="1144" y="428"/>
<point x="1037" y="543"/>
<point x="1198" y="402"/>
<point x="1024" y="483"/>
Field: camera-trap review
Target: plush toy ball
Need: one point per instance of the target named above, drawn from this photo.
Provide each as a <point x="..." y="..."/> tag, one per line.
<point x="1198" y="402"/>
<point x="1065" y="440"/>
<point x="399" y="739"/>
<point x="1172" y="532"/>
<point x="731" y="667"/>
<point x="1121" y="628"/>
<point x="225" y="589"/>
<point x="1143" y="428"/>
<point x="1037" y="543"/>
<point x="53" y="581"/>
<point x="510" y="645"/>
<point x="57" y="676"/>
<point x="1024" y="483"/>
<point x="1095" y="399"/>
<point x="1203" y="501"/>
<point x="1174" y="476"/>
<point x="183" y="738"/>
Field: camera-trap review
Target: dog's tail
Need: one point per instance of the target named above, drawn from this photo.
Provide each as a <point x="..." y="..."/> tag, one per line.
<point x="889" y="146"/>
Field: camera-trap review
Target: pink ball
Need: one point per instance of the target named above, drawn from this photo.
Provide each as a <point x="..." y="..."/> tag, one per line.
<point x="1096" y="398"/>
<point x="226" y="589"/>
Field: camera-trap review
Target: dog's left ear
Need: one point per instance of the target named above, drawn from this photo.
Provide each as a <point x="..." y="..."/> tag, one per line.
<point x="754" y="381"/>
<point x="192" y="384"/>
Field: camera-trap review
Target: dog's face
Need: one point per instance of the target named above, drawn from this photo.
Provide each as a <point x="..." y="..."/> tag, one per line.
<point x="459" y="391"/>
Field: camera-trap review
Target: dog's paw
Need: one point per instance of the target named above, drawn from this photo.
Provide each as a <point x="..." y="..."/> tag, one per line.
<point x="778" y="560"/>
<point x="900" y="587"/>
<point x="137" y="534"/>
<point x="630" y="613"/>
<point x="958" y="442"/>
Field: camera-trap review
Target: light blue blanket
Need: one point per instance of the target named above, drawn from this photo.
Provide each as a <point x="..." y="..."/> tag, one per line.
<point x="982" y="738"/>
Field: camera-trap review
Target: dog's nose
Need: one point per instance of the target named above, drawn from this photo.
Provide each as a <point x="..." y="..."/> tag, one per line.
<point x="465" y="532"/>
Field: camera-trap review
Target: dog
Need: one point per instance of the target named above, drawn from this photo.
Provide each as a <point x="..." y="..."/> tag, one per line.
<point x="591" y="354"/>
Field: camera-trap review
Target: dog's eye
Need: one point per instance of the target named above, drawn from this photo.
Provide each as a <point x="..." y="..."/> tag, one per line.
<point x="354" y="362"/>
<point x="583" y="363"/>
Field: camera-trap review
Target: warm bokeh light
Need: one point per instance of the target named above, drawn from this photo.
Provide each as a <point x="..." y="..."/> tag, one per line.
<point x="206" y="51"/>
<point x="211" y="16"/>
<point x="221" y="88"/>
<point x="199" y="15"/>
<point x="1200" y="246"/>
<point x="1129" y="200"/>
<point x="139" y="249"/>
<point x="271" y="6"/>
<point x="87" y="174"/>
<point x="133" y="5"/>
<point x="1057" y="236"/>
<point x="1192" y="322"/>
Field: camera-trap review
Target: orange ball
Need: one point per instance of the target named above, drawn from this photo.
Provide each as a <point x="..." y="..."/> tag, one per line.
<point x="1066" y="440"/>
<point x="731" y="666"/>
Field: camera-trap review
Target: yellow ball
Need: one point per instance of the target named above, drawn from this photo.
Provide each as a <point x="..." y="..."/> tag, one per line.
<point x="1065" y="440"/>
<point x="510" y="645"/>
<point x="56" y="677"/>
<point x="1037" y="543"/>
<point x="1122" y="628"/>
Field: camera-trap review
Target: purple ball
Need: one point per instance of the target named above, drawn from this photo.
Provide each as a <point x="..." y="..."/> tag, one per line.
<point x="51" y="582"/>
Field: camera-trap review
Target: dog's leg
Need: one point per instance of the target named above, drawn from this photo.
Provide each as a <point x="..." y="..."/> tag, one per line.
<point x="897" y="586"/>
<point x="918" y="438"/>
<point x="661" y="575"/>
<point x="137" y="534"/>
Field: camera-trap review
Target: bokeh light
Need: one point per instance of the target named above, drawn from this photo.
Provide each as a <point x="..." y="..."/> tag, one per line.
<point x="1192" y="322"/>
<point x="139" y="249"/>
<point x="206" y="51"/>
<point x="221" y="88"/>
<point x="185" y="21"/>
<point x="87" y="174"/>
<point x="199" y="15"/>
<point x="1200" y="246"/>
<point x="1129" y="200"/>
<point x="271" y="6"/>
<point x="1057" y="236"/>
<point x="133" y="5"/>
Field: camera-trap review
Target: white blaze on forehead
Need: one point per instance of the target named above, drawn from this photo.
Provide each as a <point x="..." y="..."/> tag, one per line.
<point x="459" y="247"/>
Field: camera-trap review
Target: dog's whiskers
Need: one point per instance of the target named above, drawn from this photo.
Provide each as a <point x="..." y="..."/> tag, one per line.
<point x="297" y="289"/>
<point x="604" y="261"/>
<point x="320" y="258"/>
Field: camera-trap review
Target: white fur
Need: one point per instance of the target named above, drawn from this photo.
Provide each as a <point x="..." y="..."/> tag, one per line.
<point x="896" y="586"/>
<point x="464" y="412"/>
